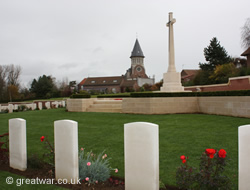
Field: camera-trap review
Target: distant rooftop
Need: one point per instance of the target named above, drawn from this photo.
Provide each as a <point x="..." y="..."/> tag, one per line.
<point x="247" y="52"/>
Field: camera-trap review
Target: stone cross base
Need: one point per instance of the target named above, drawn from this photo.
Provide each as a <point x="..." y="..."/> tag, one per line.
<point x="172" y="82"/>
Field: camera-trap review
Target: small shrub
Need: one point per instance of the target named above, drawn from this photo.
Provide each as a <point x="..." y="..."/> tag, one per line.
<point x="80" y="96"/>
<point x="22" y="108"/>
<point x="34" y="162"/>
<point x="210" y="174"/>
<point x="94" y="169"/>
<point x="49" y="156"/>
<point x="4" y="148"/>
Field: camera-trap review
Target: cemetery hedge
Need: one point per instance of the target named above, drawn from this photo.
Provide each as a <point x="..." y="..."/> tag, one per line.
<point x="176" y="94"/>
<point x="80" y="96"/>
<point x="179" y="134"/>
<point x="190" y="94"/>
<point x="122" y="95"/>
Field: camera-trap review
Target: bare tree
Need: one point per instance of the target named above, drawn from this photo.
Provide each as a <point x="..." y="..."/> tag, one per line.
<point x="245" y="34"/>
<point x="14" y="75"/>
<point x="9" y="81"/>
<point x="3" y="80"/>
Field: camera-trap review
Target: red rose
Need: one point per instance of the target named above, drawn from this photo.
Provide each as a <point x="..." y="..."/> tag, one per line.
<point x="210" y="152"/>
<point x="42" y="138"/>
<point x="184" y="161"/>
<point x="182" y="157"/>
<point x="222" y="153"/>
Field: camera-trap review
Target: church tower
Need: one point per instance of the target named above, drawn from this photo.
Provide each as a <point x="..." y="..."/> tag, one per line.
<point x="137" y="62"/>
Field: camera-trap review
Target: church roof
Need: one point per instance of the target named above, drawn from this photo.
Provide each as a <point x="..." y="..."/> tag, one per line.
<point x="247" y="52"/>
<point x="137" y="52"/>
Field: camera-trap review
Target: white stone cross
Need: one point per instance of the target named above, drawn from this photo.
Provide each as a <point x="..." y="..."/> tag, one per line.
<point x="171" y="59"/>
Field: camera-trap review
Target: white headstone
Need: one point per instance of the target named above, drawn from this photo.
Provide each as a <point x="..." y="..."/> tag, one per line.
<point x="63" y="103"/>
<point x="17" y="144"/>
<point x="66" y="150"/>
<point x="56" y="104"/>
<point x="40" y="105"/>
<point x="10" y="108"/>
<point x="244" y="154"/>
<point x="33" y="106"/>
<point x="47" y="105"/>
<point x="0" y="107"/>
<point x="141" y="146"/>
<point x="15" y="107"/>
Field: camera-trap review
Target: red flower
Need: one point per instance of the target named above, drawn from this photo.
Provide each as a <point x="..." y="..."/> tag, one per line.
<point x="42" y="138"/>
<point x="110" y="179"/>
<point x="210" y="152"/>
<point x="117" y="182"/>
<point x="184" y="161"/>
<point x="222" y="153"/>
<point x="182" y="157"/>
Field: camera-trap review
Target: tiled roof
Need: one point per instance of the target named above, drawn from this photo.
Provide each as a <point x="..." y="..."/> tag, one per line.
<point x="187" y="72"/>
<point x="83" y="81"/>
<point x="103" y="81"/>
<point x="137" y="52"/>
<point x="128" y="83"/>
<point x="247" y="52"/>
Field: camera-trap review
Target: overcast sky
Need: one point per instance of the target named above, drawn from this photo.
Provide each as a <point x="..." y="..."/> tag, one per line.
<point x="81" y="38"/>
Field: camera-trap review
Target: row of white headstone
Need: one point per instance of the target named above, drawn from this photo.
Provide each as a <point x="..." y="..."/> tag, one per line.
<point x="141" y="150"/>
<point x="33" y="106"/>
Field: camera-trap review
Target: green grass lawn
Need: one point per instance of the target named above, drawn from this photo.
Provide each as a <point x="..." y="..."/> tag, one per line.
<point x="180" y="134"/>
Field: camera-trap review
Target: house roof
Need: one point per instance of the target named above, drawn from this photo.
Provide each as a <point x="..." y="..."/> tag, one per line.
<point x="247" y="52"/>
<point x="137" y="52"/>
<point x="128" y="83"/>
<point x="189" y="72"/>
<point x="82" y="82"/>
<point x="103" y="81"/>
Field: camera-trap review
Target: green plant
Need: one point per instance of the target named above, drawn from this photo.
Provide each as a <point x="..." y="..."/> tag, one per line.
<point x="50" y="155"/>
<point x="94" y="169"/>
<point x="22" y="108"/>
<point x="210" y="174"/>
<point x="34" y="162"/>
<point x="80" y="96"/>
<point x="4" y="148"/>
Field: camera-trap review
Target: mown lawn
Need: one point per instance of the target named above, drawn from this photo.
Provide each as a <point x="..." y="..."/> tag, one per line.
<point x="180" y="134"/>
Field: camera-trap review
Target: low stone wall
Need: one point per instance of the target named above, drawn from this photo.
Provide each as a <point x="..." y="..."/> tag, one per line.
<point x="238" y="106"/>
<point x="79" y="105"/>
<point x="169" y="105"/>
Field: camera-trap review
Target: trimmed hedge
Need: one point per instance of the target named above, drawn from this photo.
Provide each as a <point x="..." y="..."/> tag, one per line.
<point x="190" y="94"/>
<point x="114" y="95"/>
<point x="80" y="96"/>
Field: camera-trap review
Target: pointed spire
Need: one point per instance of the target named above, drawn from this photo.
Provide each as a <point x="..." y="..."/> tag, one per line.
<point x="137" y="52"/>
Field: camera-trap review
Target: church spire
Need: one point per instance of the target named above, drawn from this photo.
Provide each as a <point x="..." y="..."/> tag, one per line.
<point x="137" y="52"/>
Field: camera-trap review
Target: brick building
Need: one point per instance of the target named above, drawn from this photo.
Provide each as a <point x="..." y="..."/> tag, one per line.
<point x="134" y="78"/>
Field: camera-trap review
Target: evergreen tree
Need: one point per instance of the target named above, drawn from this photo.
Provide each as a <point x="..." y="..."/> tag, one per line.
<point x="215" y="55"/>
<point x="44" y="87"/>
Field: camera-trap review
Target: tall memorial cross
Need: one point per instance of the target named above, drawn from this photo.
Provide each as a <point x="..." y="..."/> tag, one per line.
<point x="171" y="79"/>
<point x="171" y="60"/>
